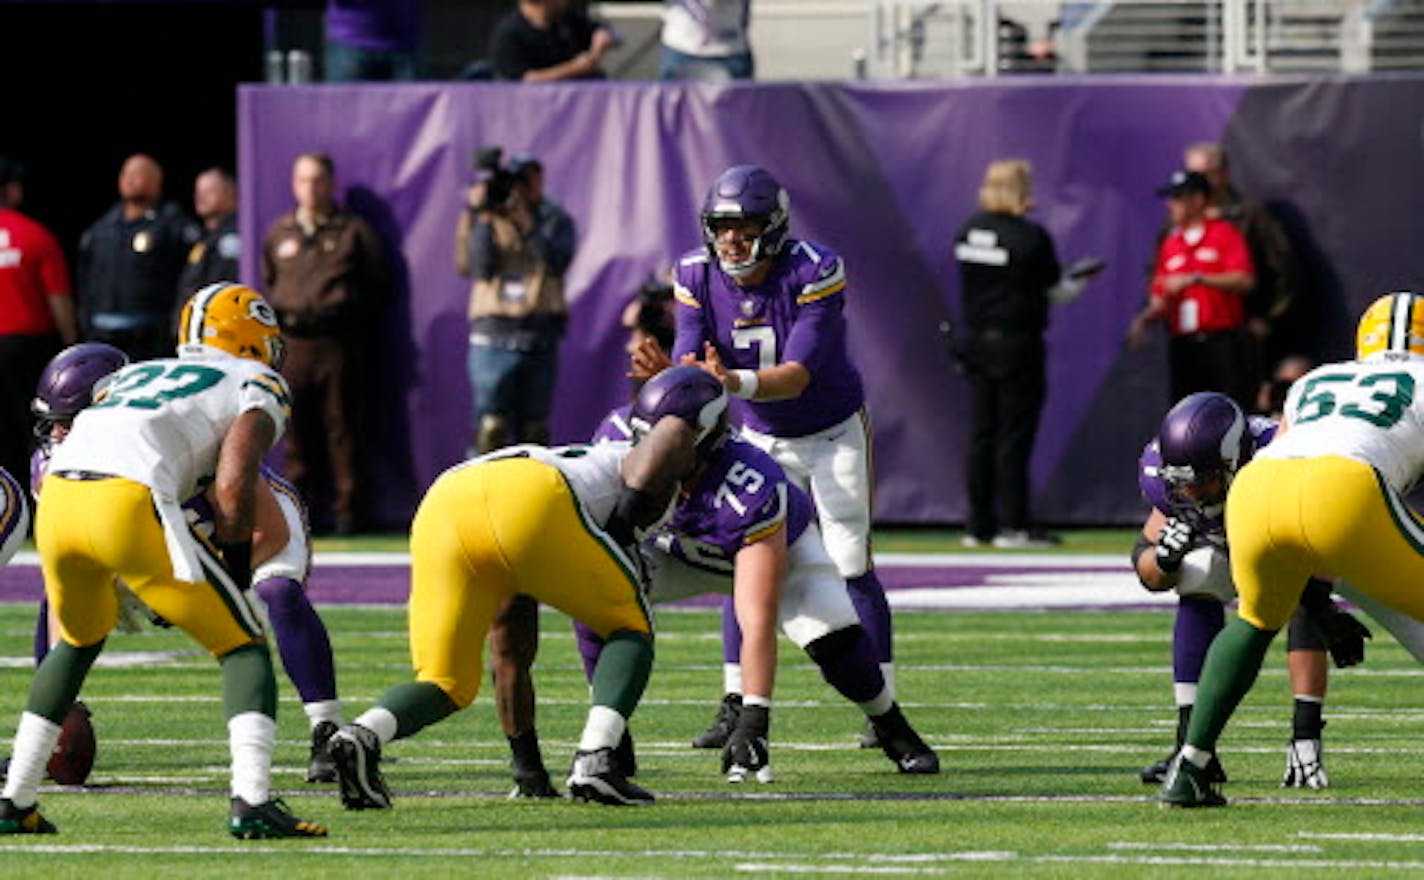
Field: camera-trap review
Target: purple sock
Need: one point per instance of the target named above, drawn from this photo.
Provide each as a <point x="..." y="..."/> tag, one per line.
<point x="731" y="633"/>
<point x="868" y="596"/>
<point x="301" y="638"/>
<point x="42" y="632"/>
<point x="590" y="647"/>
<point x="848" y="664"/>
<point x="1198" y="622"/>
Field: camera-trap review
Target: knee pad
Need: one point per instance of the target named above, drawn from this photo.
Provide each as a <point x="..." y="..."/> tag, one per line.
<point x="1303" y="634"/>
<point x="1206" y="573"/>
<point x="834" y="644"/>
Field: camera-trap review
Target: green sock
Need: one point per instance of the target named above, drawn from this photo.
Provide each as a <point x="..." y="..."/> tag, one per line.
<point x="622" y="671"/>
<point x="417" y="705"/>
<point x="58" y="680"/>
<point x="248" y="682"/>
<point x="1231" y="668"/>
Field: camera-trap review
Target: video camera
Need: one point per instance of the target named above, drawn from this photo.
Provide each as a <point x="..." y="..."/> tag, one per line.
<point x="499" y="181"/>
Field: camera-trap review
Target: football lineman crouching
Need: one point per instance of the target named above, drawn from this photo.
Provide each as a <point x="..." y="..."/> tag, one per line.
<point x="557" y="525"/>
<point x="743" y="529"/>
<point x="161" y="430"/>
<point x="1185" y="473"/>
<point x="1325" y="496"/>
<point x="281" y="549"/>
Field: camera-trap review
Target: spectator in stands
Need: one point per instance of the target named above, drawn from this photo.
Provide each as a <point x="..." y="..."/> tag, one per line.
<point x="129" y="262"/>
<point x="1009" y="273"/>
<point x="214" y="257"/>
<point x="325" y="276"/>
<point x="36" y="313"/>
<point x="546" y="40"/>
<point x="706" y="40"/>
<point x="1278" y="277"/>
<point x="516" y="244"/>
<point x="1199" y="284"/>
<point x="373" y="40"/>
<point x="1271" y="398"/>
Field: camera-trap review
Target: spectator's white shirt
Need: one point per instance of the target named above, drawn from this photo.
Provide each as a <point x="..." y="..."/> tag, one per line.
<point x="707" y="28"/>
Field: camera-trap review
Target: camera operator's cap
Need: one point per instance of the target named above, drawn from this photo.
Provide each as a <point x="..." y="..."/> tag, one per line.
<point x="11" y="171"/>
<point x="1184" y="183"/>
<point x="522" y="162"/>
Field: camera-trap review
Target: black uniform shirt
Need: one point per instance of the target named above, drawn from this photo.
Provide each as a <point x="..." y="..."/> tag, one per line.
<point x="517" y="47"/>
<point x="130" y="267"/>
<point x="213" y="258"/>
<point x="1007" y="264"/>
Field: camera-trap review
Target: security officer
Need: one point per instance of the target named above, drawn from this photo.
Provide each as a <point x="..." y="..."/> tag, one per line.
<point x="129" y="262"/>
<point x="214" y="257"/>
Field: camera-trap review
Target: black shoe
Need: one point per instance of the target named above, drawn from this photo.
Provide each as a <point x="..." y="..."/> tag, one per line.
<point x="357" y="754"/>
<point x="1188" y="786"/>
<point x="14" y="820"/>
<point x="869" y="739"/>
<point x="1156" y="774"/>
<point x="268" y="820"/>
<point x="320" y="767"/>
<point x="533" y="782"/>
<point x="903" y="745"/>
<point x="716" y="736"/>
<point x="625" y="760"/>
<point x="595" y="778"/>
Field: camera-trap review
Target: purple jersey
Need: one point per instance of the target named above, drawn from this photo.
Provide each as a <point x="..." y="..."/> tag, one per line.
<point x="1154" y="488"/>
<point x="796" y="314"/>
<point x="741" y="497"/>
<point x="615" y="426"/>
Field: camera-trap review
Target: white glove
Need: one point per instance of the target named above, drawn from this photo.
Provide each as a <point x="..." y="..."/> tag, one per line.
<point x="1173" y="543"/>
<point x="1305" y="766"/>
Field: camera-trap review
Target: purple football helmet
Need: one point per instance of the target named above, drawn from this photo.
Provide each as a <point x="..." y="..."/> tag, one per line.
<point x="747" y="192"/>
<point x="689" y="393"/>
<point x="1203" y="436"/>
<point x="68" y="381"/>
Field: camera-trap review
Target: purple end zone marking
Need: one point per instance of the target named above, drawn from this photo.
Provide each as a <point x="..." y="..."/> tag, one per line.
<point x="390" y="584"/>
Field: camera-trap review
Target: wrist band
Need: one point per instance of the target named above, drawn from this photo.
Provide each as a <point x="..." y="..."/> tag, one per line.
<point x="746" y="383"/>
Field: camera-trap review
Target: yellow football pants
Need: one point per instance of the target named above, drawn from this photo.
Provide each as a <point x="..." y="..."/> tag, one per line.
<point x="1288" y="519"/>
<point x="488" y="531"/>
<point x="90" y="531"/>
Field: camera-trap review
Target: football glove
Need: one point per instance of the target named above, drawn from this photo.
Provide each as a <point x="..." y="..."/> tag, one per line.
<point x="1344" y="636"/>
<point x="1173" y="544"/>
<point x="747" y="751"/>
<point x="1305" y="766"/>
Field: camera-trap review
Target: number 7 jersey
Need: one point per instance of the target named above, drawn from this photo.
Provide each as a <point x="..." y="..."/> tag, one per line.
<point x="162" y="422"/>
<point x="1370" y="411"/>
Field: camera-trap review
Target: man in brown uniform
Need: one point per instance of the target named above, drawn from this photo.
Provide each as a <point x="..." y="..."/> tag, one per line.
<point x="324" y="273"/>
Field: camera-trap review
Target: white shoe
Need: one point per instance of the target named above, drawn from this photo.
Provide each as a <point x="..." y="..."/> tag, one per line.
<point x="1021" y="540"/>
<point x="971" y="541"/>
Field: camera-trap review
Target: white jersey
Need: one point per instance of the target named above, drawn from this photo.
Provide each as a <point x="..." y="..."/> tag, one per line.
<point x="162" y="422"/>
<point x="706" y="28"/>
<point x="1369" y="411"/>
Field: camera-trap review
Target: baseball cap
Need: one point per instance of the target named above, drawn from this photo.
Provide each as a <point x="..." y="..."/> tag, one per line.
<point x="11" y="171"/>
<point x="1184" y="182"/>
<point x="522" y="162"/>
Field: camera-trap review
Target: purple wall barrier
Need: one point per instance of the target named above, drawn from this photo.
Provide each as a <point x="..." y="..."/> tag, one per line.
<point x="882" y="172"/>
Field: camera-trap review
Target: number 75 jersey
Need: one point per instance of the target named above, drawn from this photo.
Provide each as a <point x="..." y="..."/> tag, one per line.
<point x="162" y="422"/>
<point x="1370" y="411"/>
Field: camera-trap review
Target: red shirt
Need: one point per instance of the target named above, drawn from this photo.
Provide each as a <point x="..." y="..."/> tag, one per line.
<point x="1201" y="309"/>
<point x="32" y="267"/>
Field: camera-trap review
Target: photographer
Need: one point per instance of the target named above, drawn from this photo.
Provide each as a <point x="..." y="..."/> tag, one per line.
<point x="516" y="246"/>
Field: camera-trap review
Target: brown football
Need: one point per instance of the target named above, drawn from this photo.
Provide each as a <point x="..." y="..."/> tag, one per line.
<point x="73" y="755"/>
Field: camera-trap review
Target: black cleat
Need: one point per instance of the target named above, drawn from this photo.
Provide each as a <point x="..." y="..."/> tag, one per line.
<point x="356" y="752"/>
<point x="27" y="820"/>
<point x="268" y="820"/>
<point x="320" y="767"/>
<point x="869" y="739"/>
<point x="903" y="745"/>
<point x="1156" y="774"/>
<point x="715" y="737"/>
<point x="1188" y="786"/>
<point x="625" y="760"/>
<point x="595" y="778"/>
<point x="532" y="782"/>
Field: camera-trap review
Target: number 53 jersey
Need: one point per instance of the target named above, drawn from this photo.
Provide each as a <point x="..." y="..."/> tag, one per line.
<point x="1371" y="412"/>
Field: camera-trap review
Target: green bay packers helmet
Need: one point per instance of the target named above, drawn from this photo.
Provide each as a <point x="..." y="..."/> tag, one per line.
<point x="234" y="319"/>
<point x="1392" y="328"/>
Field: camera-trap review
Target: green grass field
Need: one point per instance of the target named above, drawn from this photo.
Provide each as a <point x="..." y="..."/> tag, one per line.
<point x="1042" y="721"/>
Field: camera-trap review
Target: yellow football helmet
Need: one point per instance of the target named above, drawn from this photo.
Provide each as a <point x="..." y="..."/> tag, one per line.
<point x="1392" y="328"/>
<point x="234" y="319"/>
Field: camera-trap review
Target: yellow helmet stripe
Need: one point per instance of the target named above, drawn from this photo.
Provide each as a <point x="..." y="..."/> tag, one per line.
<point x="1399" y="323"/>
<point x="199" y="314"/>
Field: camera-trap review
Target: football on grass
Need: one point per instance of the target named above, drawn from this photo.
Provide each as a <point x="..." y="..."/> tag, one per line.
<point x="73" y="755"/>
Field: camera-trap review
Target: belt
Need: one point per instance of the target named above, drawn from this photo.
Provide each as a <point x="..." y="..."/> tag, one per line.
<point x="83" y="476"/>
